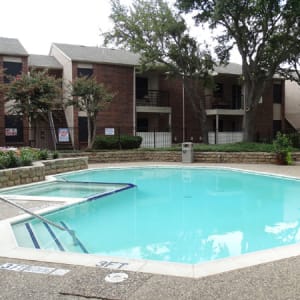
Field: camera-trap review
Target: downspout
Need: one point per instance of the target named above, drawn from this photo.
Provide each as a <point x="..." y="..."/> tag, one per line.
<point x="134" y="104"/>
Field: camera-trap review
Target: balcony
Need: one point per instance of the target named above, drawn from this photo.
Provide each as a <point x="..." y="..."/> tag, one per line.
<point x="221" y="103"/>
<point x="223" y="106"/>
<point x="152" y="98"/>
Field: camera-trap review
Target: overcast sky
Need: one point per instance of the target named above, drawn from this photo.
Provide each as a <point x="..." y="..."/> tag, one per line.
<point x="38" y="23"/>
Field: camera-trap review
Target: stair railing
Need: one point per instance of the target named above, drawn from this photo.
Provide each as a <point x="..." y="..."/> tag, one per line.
<point x="52" y="129"/>
<point x="43" y="219"/>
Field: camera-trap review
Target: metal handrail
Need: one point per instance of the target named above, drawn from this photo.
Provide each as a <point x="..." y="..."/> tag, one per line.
<point x="70" y="231"/>
<point x="52" y="129"/>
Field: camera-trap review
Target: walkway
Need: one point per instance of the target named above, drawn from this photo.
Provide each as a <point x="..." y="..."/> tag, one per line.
<point x="275" y="280"/>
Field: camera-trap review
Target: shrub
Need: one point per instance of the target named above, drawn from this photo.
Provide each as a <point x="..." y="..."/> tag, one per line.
<point x="43" y="154"/>
<point x="295" y="139"/>
<point x="106" y="142"/>
<point x="26" y="156"/>
<point x="130" y="142"/>
<point x="9" y="159"/>
<point x="4" y="160"/>
<point x="282" y="146"/>
<point x="55" y="155"/>
<point x="115" y="142"/>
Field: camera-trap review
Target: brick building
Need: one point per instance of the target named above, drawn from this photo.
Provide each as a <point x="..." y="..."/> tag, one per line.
<point x="149" y="104"/>
<point x="14" y="61"/>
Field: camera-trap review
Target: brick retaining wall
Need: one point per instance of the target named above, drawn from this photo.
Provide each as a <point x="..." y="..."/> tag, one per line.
<point x="175" y="156"/>
<point x="38" y="171"/>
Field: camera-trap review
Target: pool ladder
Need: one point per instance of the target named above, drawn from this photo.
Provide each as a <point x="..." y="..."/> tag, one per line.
<point x="63" y="228"/>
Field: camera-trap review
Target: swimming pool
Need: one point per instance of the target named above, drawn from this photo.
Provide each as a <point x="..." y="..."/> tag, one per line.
<point x="63" y="189"/>
<point x="187" y="215"/>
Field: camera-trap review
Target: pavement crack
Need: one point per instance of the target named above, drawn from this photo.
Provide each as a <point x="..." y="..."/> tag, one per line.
<point x="87" y="297"/>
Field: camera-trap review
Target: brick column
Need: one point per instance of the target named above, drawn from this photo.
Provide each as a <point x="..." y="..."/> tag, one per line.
<point x="25" y="118"/>
<point x="2" y="112"/>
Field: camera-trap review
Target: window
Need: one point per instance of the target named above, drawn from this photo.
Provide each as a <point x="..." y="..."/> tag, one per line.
<point x="11" y="69"/>
<point x="277" y="93"/>
<point x="236" y="97"/>
<point x="142" y="125"/>
<point x="84" y="72"/>
<point x="13" y="128"/>
<point x="218" y="90"/>
<point x="82" y="129"/>
<point x="141" y="87"/>
<point x="276" y="127"/>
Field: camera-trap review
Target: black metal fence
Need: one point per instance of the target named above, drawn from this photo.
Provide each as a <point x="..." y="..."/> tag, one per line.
<point x="41" y="137"/>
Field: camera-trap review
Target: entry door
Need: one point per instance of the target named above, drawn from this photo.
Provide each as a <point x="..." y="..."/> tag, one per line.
<point x="141" y="87"/>
<point x="236" y="97"/>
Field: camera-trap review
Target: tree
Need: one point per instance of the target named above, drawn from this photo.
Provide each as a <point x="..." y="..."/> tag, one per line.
<point x="33" y="95"/>
<point x="161" y="37"/>
<point x="91" y="97"/>
<point x="266" y="33"/>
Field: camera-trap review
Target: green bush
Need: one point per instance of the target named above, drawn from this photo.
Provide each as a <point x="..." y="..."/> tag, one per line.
<point x="55" y="155"/>
<point x="283" y="146"/>
<point x="295" y="139"/>
<point x="9" y="159"/>
<point x="115" y="142"/>
<point x="43" y="154"/>
<point x="4" y="160"/>
<point x="130" y="142"/>
<point x="27" y="156"/>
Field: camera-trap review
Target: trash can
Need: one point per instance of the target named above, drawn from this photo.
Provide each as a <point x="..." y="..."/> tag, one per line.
<point x="187" y="152"/>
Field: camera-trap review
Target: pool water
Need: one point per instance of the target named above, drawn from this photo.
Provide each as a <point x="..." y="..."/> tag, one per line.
<point x="186" y="215"/>
<point x="63" y="189"/>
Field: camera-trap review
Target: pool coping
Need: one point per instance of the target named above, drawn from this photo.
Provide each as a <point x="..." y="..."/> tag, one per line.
<point x="9" y="248"/>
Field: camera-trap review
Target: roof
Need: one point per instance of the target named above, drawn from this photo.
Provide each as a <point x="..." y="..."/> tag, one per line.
<point x="230" y="68"/>
<point x="10" y="46"/>
<point x="43" y="61"/>
<point x="98" y="55"/>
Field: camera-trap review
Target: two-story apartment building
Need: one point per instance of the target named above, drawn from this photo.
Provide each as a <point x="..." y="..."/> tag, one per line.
<point x="14" y="61"/>
<point x="150" y="104"/>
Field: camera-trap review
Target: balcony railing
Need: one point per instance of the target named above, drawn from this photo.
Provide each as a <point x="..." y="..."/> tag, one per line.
<point x="217" y="103"/>
<point x="152" y="98"/>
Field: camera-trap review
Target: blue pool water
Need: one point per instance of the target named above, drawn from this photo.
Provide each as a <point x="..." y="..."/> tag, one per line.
<point x="186" y="215"/>
<point x="63" y="189"/>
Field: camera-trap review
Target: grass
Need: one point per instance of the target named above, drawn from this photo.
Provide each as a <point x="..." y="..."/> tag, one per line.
<point x="236" y="147"/>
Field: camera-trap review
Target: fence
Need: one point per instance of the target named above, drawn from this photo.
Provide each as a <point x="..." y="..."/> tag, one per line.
<point x="155" y="139"/>
<point x="152" y="138"/>
<point x="225" y="137"/>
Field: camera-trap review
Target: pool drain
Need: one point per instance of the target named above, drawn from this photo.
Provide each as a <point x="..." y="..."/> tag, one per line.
<point x="116" y="277"/>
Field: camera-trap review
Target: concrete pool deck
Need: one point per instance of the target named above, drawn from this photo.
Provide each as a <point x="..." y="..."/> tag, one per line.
<point x="273" y="280"/>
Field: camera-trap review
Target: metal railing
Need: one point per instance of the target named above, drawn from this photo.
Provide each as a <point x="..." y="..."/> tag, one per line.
<point x="152" y="98"/>
<point x="70" y="231"/>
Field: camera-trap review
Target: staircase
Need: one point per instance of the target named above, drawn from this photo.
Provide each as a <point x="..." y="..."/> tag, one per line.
<point x="58" y="120"/>
<point x="41" y="235"/>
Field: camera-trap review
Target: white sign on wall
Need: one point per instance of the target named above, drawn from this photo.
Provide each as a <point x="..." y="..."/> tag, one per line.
<point x="63" y="135"/>
<point x="109" y="131"/>
<point x="11" y="131"/>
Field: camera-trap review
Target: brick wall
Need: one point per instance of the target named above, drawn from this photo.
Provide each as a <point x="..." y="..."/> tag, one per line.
<point x="2" y="114"/>
<point x="119" y="80"/>
<point x="175" y="156"/>
<point x="2" y="110"/>
<point x="37" y="172"/>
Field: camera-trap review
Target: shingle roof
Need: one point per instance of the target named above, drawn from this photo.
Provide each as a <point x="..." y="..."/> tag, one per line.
<point x="230" y="68"/>
<point x="10" y="46"/>
<point x="98" y="55"/>
<point x="43" y="61"/>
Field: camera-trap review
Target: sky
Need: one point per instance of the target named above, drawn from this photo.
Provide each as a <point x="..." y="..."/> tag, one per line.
<point x="39" y="23"/>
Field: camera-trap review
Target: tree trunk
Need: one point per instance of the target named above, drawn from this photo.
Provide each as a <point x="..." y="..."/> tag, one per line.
<point x="198" y="103"/>
<point x="249" y="126"/>
<point x="89" y="132"/>
<point x="94" y="131"/>
<point x="252" y="93"/>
